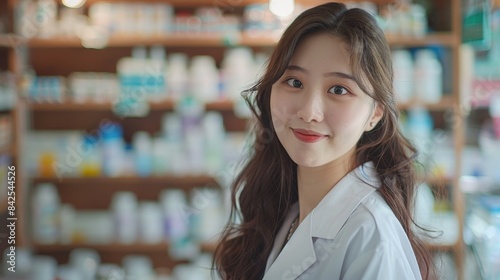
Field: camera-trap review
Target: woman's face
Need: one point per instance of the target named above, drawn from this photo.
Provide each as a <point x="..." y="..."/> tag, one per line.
<point x="319" y="112"/>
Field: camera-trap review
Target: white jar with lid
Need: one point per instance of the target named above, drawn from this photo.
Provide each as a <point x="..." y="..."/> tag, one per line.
<point x="428" y="82"/>
<point x="151" y="222"/>
<point x="46" y="206"/>
<point x="204" y="78"/>
<point x="124" y="207"/>
<point x="402" y="64"/>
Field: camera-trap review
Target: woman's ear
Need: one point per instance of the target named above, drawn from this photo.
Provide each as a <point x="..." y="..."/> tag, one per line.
<point x="376" y="116"/>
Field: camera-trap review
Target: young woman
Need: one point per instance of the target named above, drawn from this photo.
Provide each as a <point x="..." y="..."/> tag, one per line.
<point x="327" y="192"/>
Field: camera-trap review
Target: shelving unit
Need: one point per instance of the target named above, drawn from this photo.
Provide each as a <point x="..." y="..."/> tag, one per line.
<point x="242" y="39"/>
<point x="70" y="115"/>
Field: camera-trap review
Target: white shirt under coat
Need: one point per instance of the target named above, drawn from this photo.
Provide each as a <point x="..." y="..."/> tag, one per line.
<point x="351" y="234"/>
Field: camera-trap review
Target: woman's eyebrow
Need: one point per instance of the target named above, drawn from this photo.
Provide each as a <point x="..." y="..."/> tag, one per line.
<point x="329" y="74"/>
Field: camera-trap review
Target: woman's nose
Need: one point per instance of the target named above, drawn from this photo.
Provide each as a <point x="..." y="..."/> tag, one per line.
<point x="310" y="107"/>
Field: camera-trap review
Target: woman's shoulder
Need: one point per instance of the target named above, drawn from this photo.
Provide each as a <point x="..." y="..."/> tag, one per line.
<point x="373" y="223"/>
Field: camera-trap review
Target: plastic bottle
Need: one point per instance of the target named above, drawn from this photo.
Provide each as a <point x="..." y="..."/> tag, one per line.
<point x="418" y="20"/>
<point x="142" y="153"/>
<point x="67" y="214"/>
<point x="86" y="261"/>
<point x="419" y="127"/>
<point x="113" y="150"/>
<point x="204" y="78"/>
<point x="46" y="205"/>
<point x="178" y="75"/>
<point x="428" y="81"/>
<point x="138" y="267"/>
<point x="124" y="207"/>
<point x="191" y="111"/>
<point x="160" y="156"/>
<point x="239" y="71"/>
<point x="43" y="268"/>
<point x="214" y="131"/>
<point x="91" y="161"/>
<point x="151" y="220"/>
<point x="402" y="64"/>
<point x="158" y="66"/>
<point x="494" y="110"/>
<point x="46" y="16"/>
<point x="424" y="206"/>
<point x="177" y="216"/>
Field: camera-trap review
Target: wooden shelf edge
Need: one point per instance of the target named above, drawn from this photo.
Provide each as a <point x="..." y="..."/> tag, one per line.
<point x="223" y="105"/>
<point x="441" y="247"/>
<point x="221" y="40"/>
<point x="115" y="247"/>
<point x="446" y="103"/>
<point x="438" y="38"/>
<point x="99" y="181"/>
<point x="225" y="3"/>
<point x="10" y="40"/>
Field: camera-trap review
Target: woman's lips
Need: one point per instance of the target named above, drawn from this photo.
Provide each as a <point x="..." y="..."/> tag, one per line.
<point x="308" y="136"/>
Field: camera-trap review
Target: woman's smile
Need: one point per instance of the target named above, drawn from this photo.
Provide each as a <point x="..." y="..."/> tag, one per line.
<point x="308" y="136"/>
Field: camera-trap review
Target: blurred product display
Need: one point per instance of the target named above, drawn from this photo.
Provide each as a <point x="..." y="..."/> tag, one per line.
<point x="126" y="123"/>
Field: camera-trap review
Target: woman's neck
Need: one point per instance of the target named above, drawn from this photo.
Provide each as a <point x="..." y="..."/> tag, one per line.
<point x="315" y="182"/>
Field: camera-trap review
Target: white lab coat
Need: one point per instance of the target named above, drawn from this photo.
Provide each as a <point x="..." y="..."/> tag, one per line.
<point x="351" y="234"/>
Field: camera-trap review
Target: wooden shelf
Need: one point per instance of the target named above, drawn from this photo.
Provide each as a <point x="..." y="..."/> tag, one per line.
<point x="222" y="3"/>
<point x="96" y="193"/>
<point x="223" y="105"/>
<point x="243" y="39"/>
<point x="441" y="247"/>
<point x="442" y="39"/>
<point x="445" y="104"/>
<point x="136" y="248"/>
<point x="185" y="182"/>
<point x="10" y="40"/>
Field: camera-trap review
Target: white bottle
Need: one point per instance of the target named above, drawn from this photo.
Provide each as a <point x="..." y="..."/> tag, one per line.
<point x="138" y="267"/>
<point x="113" y="150"/>
<point x="177" y="215"/>
<point x="43" y="268"/>
<point x="402" y="65"/>
<point x="239" y="71"/>
<point x="46" y="17"/>
<point x="204" y="78"/>
<point x="151" y="222"/>
<point x="124" y="207"/>
<point x="178" y="75"/>
<point x="142" y="153"/>
<point x="160" y="156"/>
<point x="67" y="215"/>
<point x="428" y="83"/>
<point x="46" y="206"/>
<point x="215" y="135"/>
<point x="494" y="110"/>
<point x="418" y="20"/>
<point x="158" y="69"/>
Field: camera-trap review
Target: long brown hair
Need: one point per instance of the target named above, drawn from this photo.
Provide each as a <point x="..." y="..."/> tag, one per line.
<point x="267" y="185"/>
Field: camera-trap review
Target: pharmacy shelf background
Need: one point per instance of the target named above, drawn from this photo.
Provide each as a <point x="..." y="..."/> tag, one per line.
<point x="83" y="92"/>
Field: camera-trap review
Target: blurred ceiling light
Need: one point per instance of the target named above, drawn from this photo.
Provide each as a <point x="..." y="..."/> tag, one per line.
<point x="73" y="3"/>
<point x="282" y="8"/>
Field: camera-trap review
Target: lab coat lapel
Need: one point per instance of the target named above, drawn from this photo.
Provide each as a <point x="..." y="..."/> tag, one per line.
<point x="279" y="240"/>
<point x="325" y="221"/>
<point x="330" y="215"/>
<point x="296" y="257"/>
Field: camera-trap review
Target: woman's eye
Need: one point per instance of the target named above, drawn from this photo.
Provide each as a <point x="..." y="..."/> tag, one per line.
<point x="294" y="83"/>
<point x="339" y="90"/>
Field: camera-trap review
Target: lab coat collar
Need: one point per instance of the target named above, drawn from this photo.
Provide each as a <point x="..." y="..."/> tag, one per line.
<point x="334" y="209"/>
<point x="325" y="221"/>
